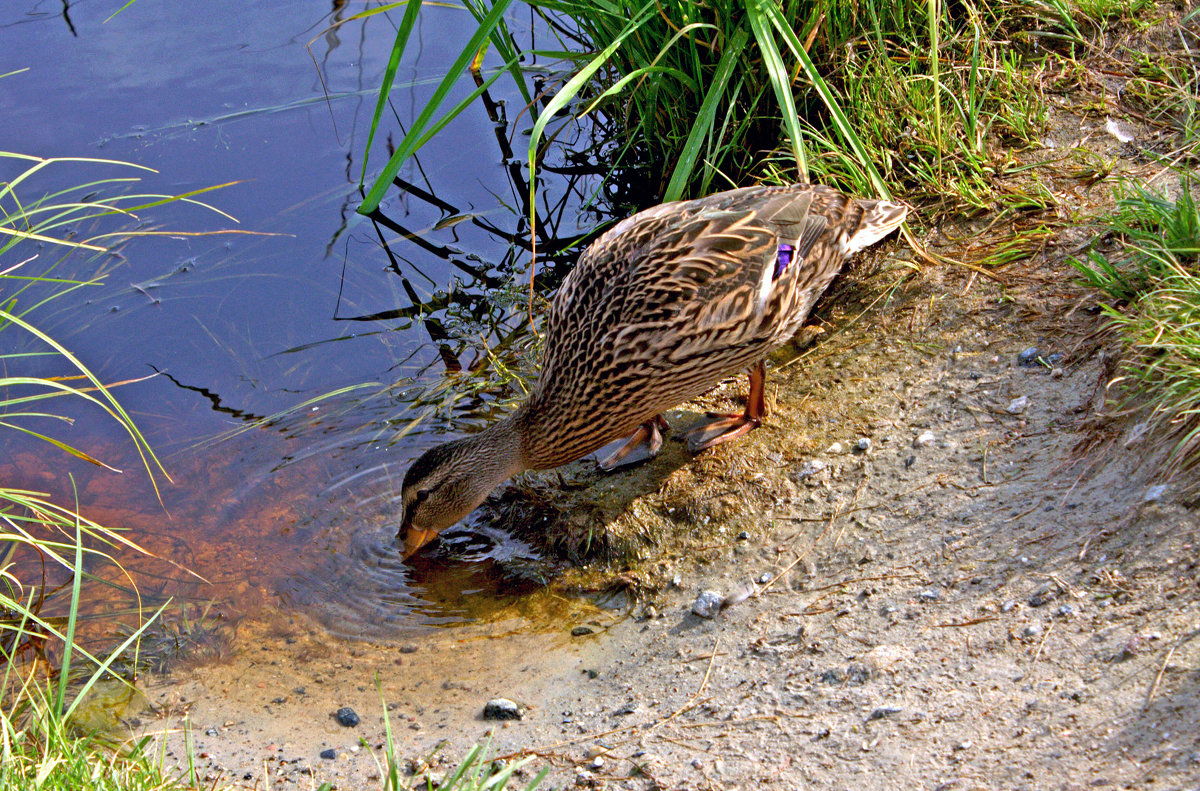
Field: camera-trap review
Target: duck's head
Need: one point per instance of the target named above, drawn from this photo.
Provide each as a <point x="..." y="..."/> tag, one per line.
<point x="448" y="481"/>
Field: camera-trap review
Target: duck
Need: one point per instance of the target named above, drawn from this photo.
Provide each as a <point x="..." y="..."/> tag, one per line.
<point x="659" y="309"/>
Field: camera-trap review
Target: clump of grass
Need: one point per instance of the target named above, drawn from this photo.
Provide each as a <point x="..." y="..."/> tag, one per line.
<point x="1153" y="284"/>
<point x="694" y="91"/>
<point x="926" y="99"/>
<point x="52" y="690"/>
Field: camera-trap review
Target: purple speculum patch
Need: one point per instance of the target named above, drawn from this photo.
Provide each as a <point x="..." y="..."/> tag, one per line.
<point x="784" y="260"/>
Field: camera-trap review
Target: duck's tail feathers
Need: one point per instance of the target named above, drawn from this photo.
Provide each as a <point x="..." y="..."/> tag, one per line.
<point x="879" y="218"/>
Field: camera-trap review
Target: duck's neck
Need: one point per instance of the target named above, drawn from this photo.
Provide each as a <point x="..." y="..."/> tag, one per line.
<point x="494" y="455"/>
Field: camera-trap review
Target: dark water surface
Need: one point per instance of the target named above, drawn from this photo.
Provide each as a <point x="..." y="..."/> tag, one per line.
<point x="298" y="512"/>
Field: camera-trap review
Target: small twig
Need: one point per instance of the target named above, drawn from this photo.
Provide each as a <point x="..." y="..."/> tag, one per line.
<point x="1158" y="677"/>
<point x="802" y="555"/>
<point x="970" y="622"/>
<point x="1038" y="653"/>
<point x="706" y="656"/>
<point x="1162" y="669"/>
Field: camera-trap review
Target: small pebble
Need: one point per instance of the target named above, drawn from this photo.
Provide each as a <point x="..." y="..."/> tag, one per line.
<point x="928" y="595"/>
<point x="1042" y="596"/>
<point x="596" y="764"/>
<point x="1032" y="630"/>
<point x="329" y="754"/>
<point x="744" y="535"/>
<point x="833" y="675"/>
<point x="347" y="717"/>
<point x="1017" y="405"/>
<point x="884" y="711"/>
<point x="764" y="578"/>
<point x="863" y="445"/>
<point x="502" y="709"/>
<point x="580" y="631"/>
<point x="926" y="438"/>
<point x="651" y="612"/>
<point x="708" y="604"/>
<point x="1155" y="493"/>
<point x="1029" y="356"/>
<point x="836" y="448"/>
<point x="1065" y="611"/>
<point x="809" y="469"/>
<point x="211" y="732"/>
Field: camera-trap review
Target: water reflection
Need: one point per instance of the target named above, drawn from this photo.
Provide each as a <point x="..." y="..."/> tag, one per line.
<point x="427" y="298"/>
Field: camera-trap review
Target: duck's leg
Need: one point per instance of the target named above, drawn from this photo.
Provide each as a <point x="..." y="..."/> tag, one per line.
<point x="648" y="438"/>
<point x="720" y="428"/>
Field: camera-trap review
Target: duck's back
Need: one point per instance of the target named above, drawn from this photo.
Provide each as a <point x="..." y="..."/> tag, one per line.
<point x="670" y="301"/>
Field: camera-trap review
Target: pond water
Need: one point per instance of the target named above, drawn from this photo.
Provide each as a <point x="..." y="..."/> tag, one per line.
<point x="422" y="311"/>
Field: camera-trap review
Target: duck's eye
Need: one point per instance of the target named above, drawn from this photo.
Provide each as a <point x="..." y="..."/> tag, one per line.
<point x="421" y="495"/>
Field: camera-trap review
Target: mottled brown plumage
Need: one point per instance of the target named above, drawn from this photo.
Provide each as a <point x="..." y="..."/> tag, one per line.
<point x="658" y="310"/>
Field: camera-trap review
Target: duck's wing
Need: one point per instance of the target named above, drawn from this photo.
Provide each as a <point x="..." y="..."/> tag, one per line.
<point x="682" y="280"/>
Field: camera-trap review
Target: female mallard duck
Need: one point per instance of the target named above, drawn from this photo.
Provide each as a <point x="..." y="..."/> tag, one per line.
<point x="658" y="310"/>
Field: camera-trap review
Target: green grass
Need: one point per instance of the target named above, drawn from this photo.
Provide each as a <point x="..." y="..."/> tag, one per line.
<point x="687" y="89"/>
<point x="57" y="698"/>
<point x="927" y="101"/>
<point x="1152" y="284"/>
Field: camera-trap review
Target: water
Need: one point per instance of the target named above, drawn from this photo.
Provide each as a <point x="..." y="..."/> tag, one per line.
<point x="305" y="299"/>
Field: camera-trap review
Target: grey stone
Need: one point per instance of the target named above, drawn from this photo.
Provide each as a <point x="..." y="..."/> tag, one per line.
<point x="708" y="604"/>
<point x="1155" y="493"/>
<point x="502" y="709"/>
<point x="1029" y="356"/>
<point x="1017" y="405"/>
<point x="809" y="469"/>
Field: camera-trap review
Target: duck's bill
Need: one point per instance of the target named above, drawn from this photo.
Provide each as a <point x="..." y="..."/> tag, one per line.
<point x="414" y="539"/>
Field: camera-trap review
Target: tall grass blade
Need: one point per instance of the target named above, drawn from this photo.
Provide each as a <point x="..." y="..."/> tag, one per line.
<point x="64" y="669"/>
<point x="389" y="76"/>
<point x="420" y="127"/>
<point x="935" y="75"/>
<point x="758" y="12"/>
<point x="706" y="118"/>
<point x="842" y="124"/>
